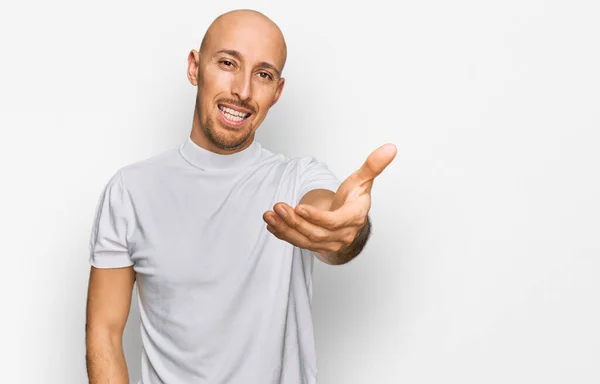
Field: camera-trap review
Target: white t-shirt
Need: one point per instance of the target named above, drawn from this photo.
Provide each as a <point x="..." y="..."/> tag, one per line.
<point x="221" y="299"/>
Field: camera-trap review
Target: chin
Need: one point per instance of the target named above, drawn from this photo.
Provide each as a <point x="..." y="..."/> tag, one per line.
<point x="225" y="137"/>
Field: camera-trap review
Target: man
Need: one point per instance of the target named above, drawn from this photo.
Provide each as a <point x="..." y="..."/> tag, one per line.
<point x="223" y="299"/>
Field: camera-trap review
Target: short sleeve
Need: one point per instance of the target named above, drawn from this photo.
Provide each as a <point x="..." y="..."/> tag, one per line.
<point x="114" y="216"/>
<point x="315" y="175"/>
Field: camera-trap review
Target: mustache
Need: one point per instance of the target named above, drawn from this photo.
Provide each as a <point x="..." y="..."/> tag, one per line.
<point x="237" y="103"/>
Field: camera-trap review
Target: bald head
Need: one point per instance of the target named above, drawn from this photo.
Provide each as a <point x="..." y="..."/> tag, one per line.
<point x="238" y="75"/>
<point x="245" y="19"/>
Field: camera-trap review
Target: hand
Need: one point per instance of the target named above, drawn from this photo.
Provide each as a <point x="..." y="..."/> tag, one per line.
<point x="325" y="231"/>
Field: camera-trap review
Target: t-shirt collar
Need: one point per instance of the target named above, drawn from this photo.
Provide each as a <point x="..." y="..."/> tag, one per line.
<point x="208" y="160"/>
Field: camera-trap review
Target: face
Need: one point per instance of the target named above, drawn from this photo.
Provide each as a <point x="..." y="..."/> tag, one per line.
<point x="238" y="77"/>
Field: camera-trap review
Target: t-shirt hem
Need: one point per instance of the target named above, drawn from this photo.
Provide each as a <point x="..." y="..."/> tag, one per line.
<point x="110" y="264"/>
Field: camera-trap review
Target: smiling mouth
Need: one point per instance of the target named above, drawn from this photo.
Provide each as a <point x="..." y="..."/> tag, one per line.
<point x="231" y="116"/>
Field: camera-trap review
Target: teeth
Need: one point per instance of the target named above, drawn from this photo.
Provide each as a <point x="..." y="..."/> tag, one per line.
<point x="233" y="112"/>
<point x="232" y="117"/>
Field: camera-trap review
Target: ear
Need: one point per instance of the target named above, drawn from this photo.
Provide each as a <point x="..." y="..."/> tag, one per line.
<point x="193" y="65"/>
<point x="278" y="91"/>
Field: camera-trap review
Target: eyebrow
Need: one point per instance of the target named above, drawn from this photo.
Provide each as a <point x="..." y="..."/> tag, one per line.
<point x="237" y="55"/>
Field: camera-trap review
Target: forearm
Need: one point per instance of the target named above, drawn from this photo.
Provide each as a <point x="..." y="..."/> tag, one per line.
<point x="350" y="251"/>
<point x="105" y="359"/>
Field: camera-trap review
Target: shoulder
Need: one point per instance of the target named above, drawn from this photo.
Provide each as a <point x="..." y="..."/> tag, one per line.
<point x="297" y="164"/>
<point x="154" y="167"/>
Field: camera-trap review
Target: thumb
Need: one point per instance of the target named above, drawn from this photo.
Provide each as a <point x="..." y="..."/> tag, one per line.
<point x="376" y="162"/>
<point x="361" y="181"/>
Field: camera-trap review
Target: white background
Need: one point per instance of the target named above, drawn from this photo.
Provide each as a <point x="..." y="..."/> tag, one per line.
<point x="484" y="264"/>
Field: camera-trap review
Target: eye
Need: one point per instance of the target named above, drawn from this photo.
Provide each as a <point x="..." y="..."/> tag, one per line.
<point x="226" y="63"/>
<point x="265" y="75"/>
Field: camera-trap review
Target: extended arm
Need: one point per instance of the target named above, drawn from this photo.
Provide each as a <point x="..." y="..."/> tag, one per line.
<point x="315" y="225"/>
<point x="322" y="199"/>
<point x="108" y="302"/>
<point x="335" y="225"/>
<point x="350" y="251"/>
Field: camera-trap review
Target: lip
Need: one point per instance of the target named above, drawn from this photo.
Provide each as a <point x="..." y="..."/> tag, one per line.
<point x="230" y="122"/>
<point x="235" y="108"/>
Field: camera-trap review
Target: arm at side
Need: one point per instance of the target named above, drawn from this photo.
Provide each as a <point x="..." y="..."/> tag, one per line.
<point x="108" y="303"/>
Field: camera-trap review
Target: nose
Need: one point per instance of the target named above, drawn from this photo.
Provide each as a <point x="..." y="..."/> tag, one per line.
<point x="242" y="86"/>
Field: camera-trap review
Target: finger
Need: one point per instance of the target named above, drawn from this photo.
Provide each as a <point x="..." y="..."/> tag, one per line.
<point x="314" y="233"/>
<point x="376" y="162"/>
<point x="283" y="232"/>
<point x="351" y="214"/>
<point x="270" y="218"/>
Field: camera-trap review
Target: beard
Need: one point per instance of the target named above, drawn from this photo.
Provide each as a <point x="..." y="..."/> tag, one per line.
<point x="223" y="138"/>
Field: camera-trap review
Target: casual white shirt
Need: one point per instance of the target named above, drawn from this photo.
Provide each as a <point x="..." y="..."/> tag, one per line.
<point x="221" y="299"/>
